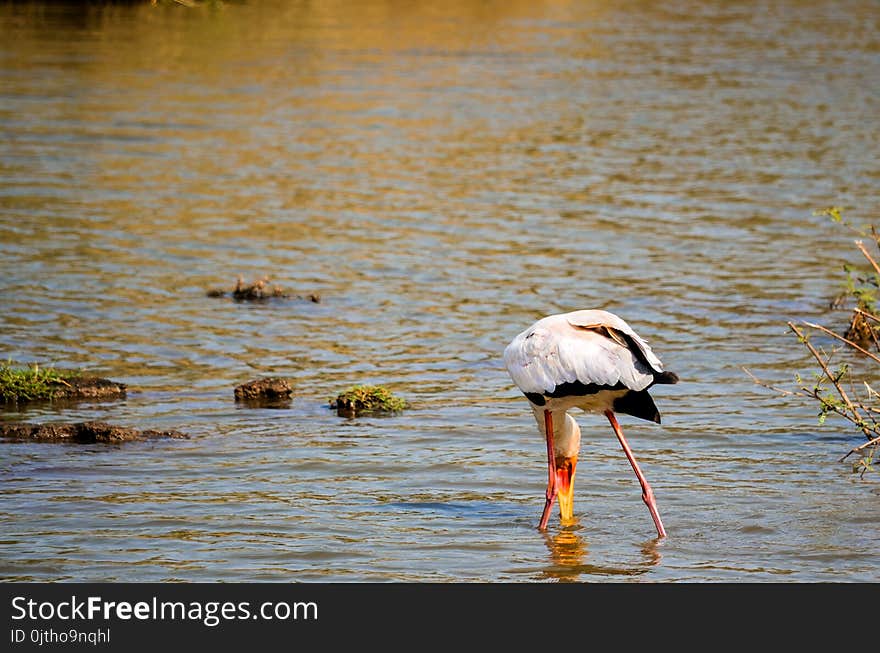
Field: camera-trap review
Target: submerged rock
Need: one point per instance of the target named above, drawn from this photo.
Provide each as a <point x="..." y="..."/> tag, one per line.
<point x="82" y="433"/>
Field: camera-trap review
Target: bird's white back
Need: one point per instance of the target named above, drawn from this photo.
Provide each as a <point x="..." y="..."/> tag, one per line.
<point x="565" y="348"/>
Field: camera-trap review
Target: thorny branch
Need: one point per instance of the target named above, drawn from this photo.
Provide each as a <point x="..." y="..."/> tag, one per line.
<point x="859" y="408"/>
<point x="856" y="416"/>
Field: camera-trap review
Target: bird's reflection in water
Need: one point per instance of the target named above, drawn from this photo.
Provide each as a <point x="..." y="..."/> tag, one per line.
<point x="569" y="553"/>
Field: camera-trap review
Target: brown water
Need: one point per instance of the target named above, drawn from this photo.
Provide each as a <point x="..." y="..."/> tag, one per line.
<point x="442" y="174"/>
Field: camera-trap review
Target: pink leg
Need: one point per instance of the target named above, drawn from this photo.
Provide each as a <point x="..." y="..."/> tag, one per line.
<point x="647" y="492"/>
<point x="551" y="470"/>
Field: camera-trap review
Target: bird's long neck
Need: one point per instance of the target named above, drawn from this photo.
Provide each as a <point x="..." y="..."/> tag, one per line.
<point x="566" y="433"/>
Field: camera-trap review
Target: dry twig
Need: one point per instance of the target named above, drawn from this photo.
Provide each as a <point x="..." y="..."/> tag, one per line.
<point x="862" y="447"/>
<point x="864" y="251"/>
<point x="846" y="341"/>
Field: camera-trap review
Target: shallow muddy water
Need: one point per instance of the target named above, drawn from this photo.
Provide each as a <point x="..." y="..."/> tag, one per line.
<point x="441" y="176"/>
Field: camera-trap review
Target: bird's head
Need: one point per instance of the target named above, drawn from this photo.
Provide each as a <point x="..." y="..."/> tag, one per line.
<point x="566" y="444"/>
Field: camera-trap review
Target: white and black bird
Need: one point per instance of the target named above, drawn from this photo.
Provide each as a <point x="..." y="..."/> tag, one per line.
<point x="594" y="361"/>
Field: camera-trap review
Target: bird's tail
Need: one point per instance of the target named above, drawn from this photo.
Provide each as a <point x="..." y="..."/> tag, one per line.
<point x="666" y="377"/>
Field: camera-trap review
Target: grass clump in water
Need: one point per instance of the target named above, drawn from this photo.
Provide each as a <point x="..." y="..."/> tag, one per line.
<point x="367" y="400"/>
<point x="27" y="384"/>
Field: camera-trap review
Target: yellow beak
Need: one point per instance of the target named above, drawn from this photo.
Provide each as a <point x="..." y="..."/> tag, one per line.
<point x="565" y="487"/>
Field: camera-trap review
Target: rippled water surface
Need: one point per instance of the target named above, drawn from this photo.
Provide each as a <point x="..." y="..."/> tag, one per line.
<point x="441" y="174"/>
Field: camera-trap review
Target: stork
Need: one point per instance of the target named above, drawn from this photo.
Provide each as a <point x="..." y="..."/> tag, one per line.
<point x="592" y="360"/>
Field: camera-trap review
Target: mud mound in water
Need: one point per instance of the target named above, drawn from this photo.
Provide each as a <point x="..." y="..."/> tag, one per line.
<point x="82" y="433"/>
<point x="272" y="392"/>
<point x="259" y="290"/>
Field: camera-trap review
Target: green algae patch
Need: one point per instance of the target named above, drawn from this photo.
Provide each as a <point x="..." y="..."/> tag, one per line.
<point x="367" y="400"/>
<point x="32" y="383"/>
